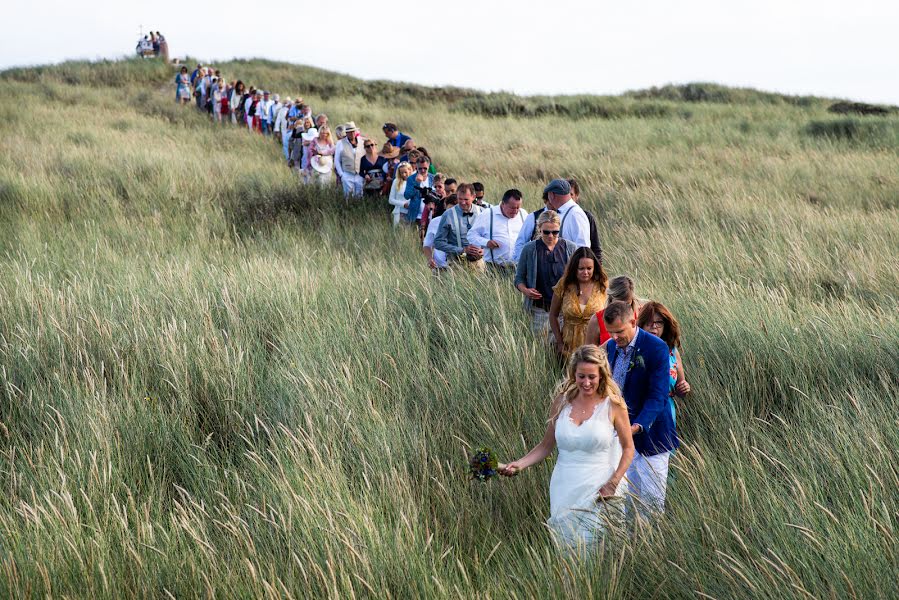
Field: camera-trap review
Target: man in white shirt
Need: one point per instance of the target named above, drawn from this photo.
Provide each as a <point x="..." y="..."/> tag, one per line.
<point x="496" y="229"/>
<point x="347" y="158"/>
<point x="273" y="116"/>
<point x="281" y="125"/>
<point x="264" y="112"/>
<point x="575" y="225"/>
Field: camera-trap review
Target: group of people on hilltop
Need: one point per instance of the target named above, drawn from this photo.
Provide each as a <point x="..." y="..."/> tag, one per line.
<point x="613" y="417"/>
<point x="152" y="45"/>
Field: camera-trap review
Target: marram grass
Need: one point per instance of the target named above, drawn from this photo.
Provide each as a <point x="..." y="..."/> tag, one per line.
<point x="214" y="381"/>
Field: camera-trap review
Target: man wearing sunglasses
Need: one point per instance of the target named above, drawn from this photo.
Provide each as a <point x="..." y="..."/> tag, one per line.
<point x="347" y="160"/>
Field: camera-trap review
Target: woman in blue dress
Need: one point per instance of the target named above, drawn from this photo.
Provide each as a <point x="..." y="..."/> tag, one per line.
<point x="182" y="87"/>
<point x="656" y="319"/>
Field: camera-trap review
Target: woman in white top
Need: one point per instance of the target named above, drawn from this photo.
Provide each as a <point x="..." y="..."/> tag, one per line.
<point x="321" y="163"/>
<point x="590" y="426"/>
<point x="396" y="197"/>
<point x="236" y="94"/>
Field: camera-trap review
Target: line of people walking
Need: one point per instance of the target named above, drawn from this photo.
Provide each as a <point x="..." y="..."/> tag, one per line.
<point x="623" y="353"/>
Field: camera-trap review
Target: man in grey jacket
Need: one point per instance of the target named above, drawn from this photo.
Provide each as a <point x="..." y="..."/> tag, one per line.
<point x="452" y="233"/>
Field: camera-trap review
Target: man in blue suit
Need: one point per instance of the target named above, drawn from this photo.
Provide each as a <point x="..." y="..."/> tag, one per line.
<point x="639" y="362"/>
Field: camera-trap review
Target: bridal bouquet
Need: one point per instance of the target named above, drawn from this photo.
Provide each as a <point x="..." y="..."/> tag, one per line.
<point x="483" y="464"/>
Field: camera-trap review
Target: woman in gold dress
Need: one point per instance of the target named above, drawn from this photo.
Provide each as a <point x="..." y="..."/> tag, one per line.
<point x="578" y="296"/>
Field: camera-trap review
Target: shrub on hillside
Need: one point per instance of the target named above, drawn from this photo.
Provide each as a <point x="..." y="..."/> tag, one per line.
<point x="718" y="94"/>
<point x="111" y="73"/>
<point x="876" y="134"/>
<point x="575" y="107"/>
<point x="859" y="108"/>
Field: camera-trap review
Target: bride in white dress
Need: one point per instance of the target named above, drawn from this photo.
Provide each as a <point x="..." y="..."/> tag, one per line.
<point x="589" y="423"/>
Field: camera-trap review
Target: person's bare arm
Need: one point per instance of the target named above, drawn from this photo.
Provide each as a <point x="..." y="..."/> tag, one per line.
<point x="592" y="335"/>
<point x="681" y="387"/>
<point x="622" y="425"/>
<point x="537" y="454"/>
<point x="555" y="308"/>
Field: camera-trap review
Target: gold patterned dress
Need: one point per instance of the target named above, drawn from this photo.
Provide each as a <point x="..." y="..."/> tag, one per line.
<point x="576" y="316"/>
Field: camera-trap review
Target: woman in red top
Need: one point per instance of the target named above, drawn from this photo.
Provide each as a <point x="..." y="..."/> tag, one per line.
<point x="620" y="288"/>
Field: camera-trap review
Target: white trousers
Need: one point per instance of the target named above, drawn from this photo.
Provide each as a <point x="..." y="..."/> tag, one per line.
<point x="352" y="184"/>
<point x="648" y="481"/>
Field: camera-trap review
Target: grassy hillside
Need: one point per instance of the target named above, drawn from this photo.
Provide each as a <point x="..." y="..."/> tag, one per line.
<point x="216" y="381"/>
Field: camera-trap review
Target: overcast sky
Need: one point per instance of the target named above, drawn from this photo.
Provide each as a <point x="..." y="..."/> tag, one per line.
<point x="821" y="47"/>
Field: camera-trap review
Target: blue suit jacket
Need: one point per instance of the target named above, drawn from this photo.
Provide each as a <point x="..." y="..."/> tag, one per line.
<point x="646" y="387"/>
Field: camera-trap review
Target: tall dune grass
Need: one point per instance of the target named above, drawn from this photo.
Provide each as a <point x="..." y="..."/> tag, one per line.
<point x="214" y="381"/>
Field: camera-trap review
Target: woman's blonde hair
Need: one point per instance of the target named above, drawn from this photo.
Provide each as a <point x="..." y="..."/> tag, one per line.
<point x="567" y="389"/>
<point x="622" y="288"/>
<point x="549" y="216"/>
<point x="403" y="167"/>
<point x="325" y="132"/>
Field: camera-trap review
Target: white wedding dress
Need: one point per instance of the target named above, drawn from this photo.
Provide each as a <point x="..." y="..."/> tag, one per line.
<point x="588" y="456"/>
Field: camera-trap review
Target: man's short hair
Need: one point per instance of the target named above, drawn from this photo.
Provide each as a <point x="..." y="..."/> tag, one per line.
<point x="390" y="127"/>
<point x="450" y="181"/>
<point x="478" y="186"/>
<point x="512" y="194"/>
<point x="617" y="310"/>
<point x="422" y="158"/>
<point x="464" y="187"/>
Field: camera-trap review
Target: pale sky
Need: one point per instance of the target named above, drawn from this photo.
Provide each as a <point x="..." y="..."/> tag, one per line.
<point x="821" y="47"/>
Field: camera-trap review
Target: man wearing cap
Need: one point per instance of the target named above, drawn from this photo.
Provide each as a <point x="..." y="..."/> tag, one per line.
<point x="455" y="224"/>
<point x="347" y="158"/>
<point x="575" y="225"/>
<point x="394" y="136"/>
<point x="495" y="231"/>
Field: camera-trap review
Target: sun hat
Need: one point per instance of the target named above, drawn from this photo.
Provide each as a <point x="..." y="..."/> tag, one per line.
<point x="389" y="151"/>
<point x="321" y="164"/>
<point x="287" y="100"/>
<point x="560" y="187"/>
<point x="310" y="134"/>
<point x="349" y="126"/>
